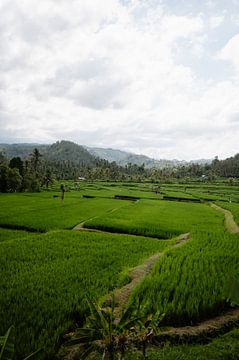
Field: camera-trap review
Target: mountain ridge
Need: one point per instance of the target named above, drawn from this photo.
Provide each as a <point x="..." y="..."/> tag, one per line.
<point x="68" y="150"/>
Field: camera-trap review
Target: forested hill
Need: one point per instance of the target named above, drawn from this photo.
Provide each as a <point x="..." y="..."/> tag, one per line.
<point x="59" y="151"/>
<point x="69" y="151"/>
<point x="226" y="168"/>
<point x="21" y="150"/>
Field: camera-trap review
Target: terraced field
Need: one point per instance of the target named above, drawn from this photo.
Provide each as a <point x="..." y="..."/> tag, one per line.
<point x="161" y="219"/>
<point x="45" y="277"/>
<point x="190" y="284"/>
<point x="44" y="211"/>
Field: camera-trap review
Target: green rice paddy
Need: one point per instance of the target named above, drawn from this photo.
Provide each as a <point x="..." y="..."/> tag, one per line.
<point x="46" y="276"/>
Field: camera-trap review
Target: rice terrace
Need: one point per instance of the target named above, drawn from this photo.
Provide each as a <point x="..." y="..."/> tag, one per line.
<point x="171" y="252"/>
<point x="119" y="180"/>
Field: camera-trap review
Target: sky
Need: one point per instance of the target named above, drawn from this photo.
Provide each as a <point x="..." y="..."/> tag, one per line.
<point x="155" y="77"/>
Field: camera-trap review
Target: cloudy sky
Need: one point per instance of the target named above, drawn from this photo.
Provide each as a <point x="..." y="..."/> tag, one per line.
<point x="158" y="77"/>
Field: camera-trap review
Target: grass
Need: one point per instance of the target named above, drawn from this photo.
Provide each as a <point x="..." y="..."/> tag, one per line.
<point x="190" y="284"/>
<point x="162" y="219"/>
<point x="43" y="211"/>
<point x="7" y="234"/>
<point x="44" y="279"/>
<point x="225" y="347"/>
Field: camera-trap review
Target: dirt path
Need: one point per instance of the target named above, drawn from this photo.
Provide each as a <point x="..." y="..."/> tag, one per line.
<point x="137" y="274"/>
<point x="230" y="223"/>
<point x="203" y="331"/>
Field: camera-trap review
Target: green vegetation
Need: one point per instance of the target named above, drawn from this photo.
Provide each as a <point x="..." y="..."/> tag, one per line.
<point x="225" y="347"/>
<point x="44" y="211"/>
<point x="7" y="346"/>
<point x="234" y="208"/>
<point x="190" y="284"/>
<point x="7" y="234"/>
<point x="45" y="278"/>
<point x="67" y="160"/>
<point x="161" y="219"/>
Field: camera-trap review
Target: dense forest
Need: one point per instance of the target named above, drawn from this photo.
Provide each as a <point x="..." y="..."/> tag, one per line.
<point x="67" y="160"/>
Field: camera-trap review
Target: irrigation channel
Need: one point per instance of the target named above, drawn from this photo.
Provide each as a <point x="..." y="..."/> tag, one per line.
<point x="203" y="331"/>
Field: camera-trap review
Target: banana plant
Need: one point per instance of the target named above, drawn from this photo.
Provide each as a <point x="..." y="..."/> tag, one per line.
<point x="7" y="346"/>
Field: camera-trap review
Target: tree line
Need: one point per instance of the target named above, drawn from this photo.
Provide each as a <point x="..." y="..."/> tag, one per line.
<point x="36" y="172"/>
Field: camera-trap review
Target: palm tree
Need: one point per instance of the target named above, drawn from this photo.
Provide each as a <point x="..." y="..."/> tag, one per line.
<point x="35" y="159"/>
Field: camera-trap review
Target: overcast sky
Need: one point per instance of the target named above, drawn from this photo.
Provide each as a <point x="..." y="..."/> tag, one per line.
<point x="158" y="77"/>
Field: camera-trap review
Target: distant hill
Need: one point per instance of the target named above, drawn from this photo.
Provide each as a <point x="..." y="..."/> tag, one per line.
<point x="123" y="158"/>
<point x="70" y="151"/>
<point x="59" y="151"/>
<point x="21" y="150"/>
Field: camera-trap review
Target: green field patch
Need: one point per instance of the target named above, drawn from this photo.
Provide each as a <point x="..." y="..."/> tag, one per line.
<point x="225" y="347"/>
<point x="177" y="194"/>
<point x="189" y="284"/>
<point x="161" y="219"/>
<point x="45" y="278"/>
<point x="43" y="212"/>
<point x="7" y="234"/>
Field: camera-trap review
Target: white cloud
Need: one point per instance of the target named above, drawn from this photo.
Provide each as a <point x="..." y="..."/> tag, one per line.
<point x="106" y="73"/>
<point x="215" y="21"/>
<point x="231" y="52"/>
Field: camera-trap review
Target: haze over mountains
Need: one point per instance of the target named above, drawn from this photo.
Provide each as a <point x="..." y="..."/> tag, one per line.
<point x="67" y="150"/>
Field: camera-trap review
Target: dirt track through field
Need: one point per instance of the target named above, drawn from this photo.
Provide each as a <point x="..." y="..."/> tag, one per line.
<point x="230" y="223"/>
<point x="201" y="332"/>
<point x="137" y="274"/>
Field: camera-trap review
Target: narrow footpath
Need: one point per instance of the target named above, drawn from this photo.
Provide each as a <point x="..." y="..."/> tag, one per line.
<point x="137" y="274"/>
<point x="204" y="330"/>
<point x="230" y="224"/>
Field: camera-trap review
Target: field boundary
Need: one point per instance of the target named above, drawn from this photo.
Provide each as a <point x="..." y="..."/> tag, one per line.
<point x="201" y="332"/>
<point x="80" y="226"/>
<point x="230" y="224"/>
<point x="137" y="274"/>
